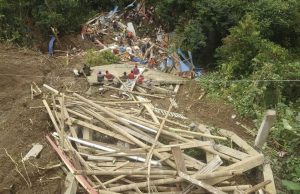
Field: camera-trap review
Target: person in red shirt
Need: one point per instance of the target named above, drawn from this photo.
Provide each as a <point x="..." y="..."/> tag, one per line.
<point x="109" y="76"/>
<point x="131" y="76"/>
<point x="141" y="79"/>
<point x="136" y="70"/>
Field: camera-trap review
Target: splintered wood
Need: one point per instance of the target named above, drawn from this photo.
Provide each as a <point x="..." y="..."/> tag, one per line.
<point x="113" y="147"/>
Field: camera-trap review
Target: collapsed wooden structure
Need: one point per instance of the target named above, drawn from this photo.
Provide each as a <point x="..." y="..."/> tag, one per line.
<point x="112" y="146"/>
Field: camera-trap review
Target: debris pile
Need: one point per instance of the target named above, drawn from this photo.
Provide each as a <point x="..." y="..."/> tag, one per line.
<point x="119" y="28"/>
<point x="121" y="146"/>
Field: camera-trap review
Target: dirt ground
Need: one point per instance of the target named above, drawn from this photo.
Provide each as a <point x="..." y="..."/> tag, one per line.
<point x="21" y="125"/>
<point x="23" y="122"/>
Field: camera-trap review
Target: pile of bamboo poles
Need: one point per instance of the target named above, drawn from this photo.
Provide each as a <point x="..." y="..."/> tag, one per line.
<point x="114" y="147"/>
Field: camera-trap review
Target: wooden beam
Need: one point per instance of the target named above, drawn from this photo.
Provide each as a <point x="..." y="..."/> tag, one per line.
<point x="101" y="130"/>
<point x="263" y="132"/>
<point x="268" y="175"/>
<point x="81" y="179"/>
<point x="149" y="109"/>
<point x="257" y="187"/>
<point x="70" y="184"/>
<point x="179" y="159"/>
<point x="207" y="187"/>
<point x="126" y="172"/>
<point x="231" y="152"/>
<point x="241" y="166"/>
<point x="171" y="181"/>
<point x="238" y="141"/>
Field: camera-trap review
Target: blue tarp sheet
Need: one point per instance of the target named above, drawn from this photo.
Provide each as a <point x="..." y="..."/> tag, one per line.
<point x="112" y="12"/>
<point x="184" y="67"/>
<point x="51" y="45"/>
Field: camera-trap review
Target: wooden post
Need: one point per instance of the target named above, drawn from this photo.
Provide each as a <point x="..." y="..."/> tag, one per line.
<point x="70" y="184"/>
<point x="265" y="126"/>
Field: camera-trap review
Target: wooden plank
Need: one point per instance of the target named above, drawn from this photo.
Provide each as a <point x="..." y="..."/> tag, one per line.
<point x="198" y="134"/>
<point x="51" y="117"/>
<point x="268" y="175"/>
<point x="81" y="179"/>
<point x="205" y="130"/>
<point x="208" y="168"/>
<point x="125" y="172"/>
<point x="241" y="166"/>
<point x="167" y="148"/>
<point x="171" y="181"/>
<point x="239" y="141"/>
<point x="101" y="130"/>
<point x="145" y="138"/>
<point x="70" y="184"/>
<point x="33" y="152"/>
<point x="257" y="187"/>
<point x="176" y="88"/>
<point x="179" y="160"/>
<point x="120" y="131"/>
<point x="207" y="187"/>
<point x="231" y="152"/>
<point x="86" y="134"/>
<point x="263" y="132"/>
<point x="149" y="109"/>
<point x="51" y="89"/>
<point x="224" y="188"/>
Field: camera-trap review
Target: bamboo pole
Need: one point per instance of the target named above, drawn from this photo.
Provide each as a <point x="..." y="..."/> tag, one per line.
<point x="120" y="131"/>
<point x="171" y="181"/>
<point x="197" y="134"/>
<point x="153" y="145"/>
<point x="126" y="172"/>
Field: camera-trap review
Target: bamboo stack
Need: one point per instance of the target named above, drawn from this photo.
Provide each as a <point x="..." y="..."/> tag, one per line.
<point x="111" y="147"/>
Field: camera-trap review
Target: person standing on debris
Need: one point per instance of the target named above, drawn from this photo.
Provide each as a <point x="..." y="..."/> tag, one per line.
<point x="109" y="76"/>
<point x="131" y="76"/>
<point x="86" y="70"/>
<point x="136" y="70"/>
<point x="100" y="77"/>
<point x="129" y="38"/>
<point x="152" y="62"/>
<point x="115" y="26"/>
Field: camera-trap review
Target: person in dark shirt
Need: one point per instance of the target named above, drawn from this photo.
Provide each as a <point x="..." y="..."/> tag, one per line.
<point x="86" y="70"/>
<point x="100" y="77"/>
<point x="124" y="77"/>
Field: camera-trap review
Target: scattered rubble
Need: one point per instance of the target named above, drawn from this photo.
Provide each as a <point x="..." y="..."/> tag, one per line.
<point x="122" y="146"/>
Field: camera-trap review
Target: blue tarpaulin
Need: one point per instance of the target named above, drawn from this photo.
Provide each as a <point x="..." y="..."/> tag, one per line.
<point x="51" y="45"/>
<point x="169" y="62"/>
<point x="184" y="67"/>
<point x="112" y="12"/>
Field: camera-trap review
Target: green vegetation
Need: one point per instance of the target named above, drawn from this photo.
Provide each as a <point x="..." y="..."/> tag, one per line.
<point x="244" y="41"/>
<point x="24" y="21"/>
<point x="94" y="58"/>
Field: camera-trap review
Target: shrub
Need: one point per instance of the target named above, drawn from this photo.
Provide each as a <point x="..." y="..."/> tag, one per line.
<point x="93" y="58"/>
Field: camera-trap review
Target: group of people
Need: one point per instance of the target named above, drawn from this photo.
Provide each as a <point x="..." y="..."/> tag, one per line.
<point x="124" y="78"/>
<point x="100" y="77"/>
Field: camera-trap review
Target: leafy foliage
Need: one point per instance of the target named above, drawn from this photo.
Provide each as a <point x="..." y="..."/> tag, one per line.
<point x="94" y="58"/>
<point x="256" y="74"/>
<point x="22" y="20"/>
